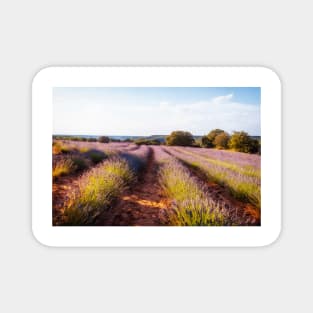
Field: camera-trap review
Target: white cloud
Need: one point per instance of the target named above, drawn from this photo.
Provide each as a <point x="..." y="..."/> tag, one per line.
<point x="220" y="112"/>
<point x="222" y="99"/>
<point x="139" y="119"/>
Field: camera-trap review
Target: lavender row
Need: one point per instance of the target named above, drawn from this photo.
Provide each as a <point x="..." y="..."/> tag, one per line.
<point x="242" y="186"/>
<point x="191" y="205"/>
<point x="239" y="158"/>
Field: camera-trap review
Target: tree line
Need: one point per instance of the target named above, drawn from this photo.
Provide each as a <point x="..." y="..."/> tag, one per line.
<point x="238" y="141"/>
<point x="217" y="138"/>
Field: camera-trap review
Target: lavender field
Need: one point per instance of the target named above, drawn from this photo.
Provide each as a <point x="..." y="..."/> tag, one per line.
<point x="125" y="184"/>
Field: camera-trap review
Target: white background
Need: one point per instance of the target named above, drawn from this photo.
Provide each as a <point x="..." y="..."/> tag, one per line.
<point x="35" y="34"/>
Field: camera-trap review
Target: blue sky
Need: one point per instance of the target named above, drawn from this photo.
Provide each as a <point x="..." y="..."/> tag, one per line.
<point x="157" y="110"/>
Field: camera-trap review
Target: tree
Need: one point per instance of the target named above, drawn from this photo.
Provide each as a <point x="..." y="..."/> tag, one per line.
<point x="221" y="140"/>
<point x="104" y="139"/>
<point x="208" y="141"/>
<point x="205" y="143"/>
<point x="242" y="142"/>
<point x="255" y="146"/>
<point x="180" y="138"/>
<point x="213" y="133"/>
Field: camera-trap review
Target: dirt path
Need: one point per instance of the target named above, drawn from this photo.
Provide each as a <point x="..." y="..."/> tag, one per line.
<point x="61" y="189"/>
<point x="142" y="205"/>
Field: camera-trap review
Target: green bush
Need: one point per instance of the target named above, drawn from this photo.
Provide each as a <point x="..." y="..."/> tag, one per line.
<point x="221" y="141"/>
<point x="104" y="139"/>
<point x="180" y="138"/>
<point x="80" y="163"/>
<point x="95" y="156"/>
<point x="208" y="140"/>
<point x="154" y="142"/>
<point x="242" y="142"/>
<point x="205" y="143"/>
<point x="255" y="146"/>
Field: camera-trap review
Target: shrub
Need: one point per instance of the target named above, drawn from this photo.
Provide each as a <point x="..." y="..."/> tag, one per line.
<point x="153" y="142"/>
<point x="59" y="147"/>
<point x="80" y="163"/>
<point x="221" y="141"/>
<point x="180" y="138"/>
<point x="104" y="139"/>
<point x="241" y="142"/>
<point x="205" y="143"/>
<point x="63" y="166"/>
<point x="208" y="141"/>
<point x="255" y="146"/>
<point x="96" y="156"/>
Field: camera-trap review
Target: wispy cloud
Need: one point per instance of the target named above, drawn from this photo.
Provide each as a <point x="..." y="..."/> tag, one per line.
<point x="147" y="118"/>
<point x="220" y="112"/>
<point x="223" y="99"/>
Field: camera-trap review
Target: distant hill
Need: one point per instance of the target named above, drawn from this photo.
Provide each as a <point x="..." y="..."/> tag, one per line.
<point x="160" y="138"/>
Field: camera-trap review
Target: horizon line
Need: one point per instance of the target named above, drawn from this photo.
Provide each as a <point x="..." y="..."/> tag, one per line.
<point x="132" y="135"/>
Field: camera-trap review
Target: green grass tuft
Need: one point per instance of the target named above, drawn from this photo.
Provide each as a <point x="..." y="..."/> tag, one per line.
<point x="62" y="167"/>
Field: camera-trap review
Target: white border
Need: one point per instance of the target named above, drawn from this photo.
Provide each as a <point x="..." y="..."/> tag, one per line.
<point x="111" y="236"/>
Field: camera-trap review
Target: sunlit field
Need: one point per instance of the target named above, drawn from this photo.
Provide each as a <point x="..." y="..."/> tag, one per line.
<point x="127" y="184"/>
<point x="156" y="156"/>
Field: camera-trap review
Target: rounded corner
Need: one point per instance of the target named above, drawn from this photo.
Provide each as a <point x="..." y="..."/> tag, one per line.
<point x="274" y="239"/>
<point x="272" y="74"/>
<point x="41" y="73"/>
<point x="39" y="240"/>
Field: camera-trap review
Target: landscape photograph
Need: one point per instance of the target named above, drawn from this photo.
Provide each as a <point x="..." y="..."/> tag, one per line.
<point x="156" y="156"/>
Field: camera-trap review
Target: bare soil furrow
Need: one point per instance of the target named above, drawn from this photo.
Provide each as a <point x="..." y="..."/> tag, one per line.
<point x="141" y="205"/>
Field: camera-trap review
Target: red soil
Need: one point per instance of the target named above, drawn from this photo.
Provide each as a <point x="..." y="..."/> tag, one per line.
<point x="61" y="189"/>
<point x="142" y="205"/>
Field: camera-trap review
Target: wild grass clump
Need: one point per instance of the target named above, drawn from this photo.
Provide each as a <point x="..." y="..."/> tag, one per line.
<point x="83" y="149"/>
<point x="97" y="190"/>
<point x="80" y="163"/>
<point x="192" y="206"/>
<point x="96" y="156"/>
<point x="63" y="166"/>
<point x="198" y="212"/>
<point x="60" y="147"/>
